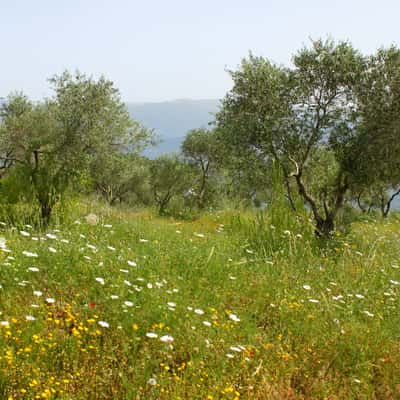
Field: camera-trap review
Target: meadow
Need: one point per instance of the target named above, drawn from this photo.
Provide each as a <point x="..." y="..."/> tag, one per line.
<point x="233" y="305"/>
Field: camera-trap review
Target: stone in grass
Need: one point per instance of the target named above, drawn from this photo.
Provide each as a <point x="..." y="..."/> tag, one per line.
<point x="92" y="219"/>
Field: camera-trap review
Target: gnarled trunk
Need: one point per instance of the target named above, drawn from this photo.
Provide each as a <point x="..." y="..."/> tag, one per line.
<point x="324" y="227"/>
<point x="45" y="212"/>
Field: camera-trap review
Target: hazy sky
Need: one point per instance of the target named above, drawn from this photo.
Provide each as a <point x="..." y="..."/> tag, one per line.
<point x="162" y="50"/>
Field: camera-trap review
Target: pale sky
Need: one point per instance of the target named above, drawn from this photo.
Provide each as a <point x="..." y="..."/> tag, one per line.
<point x="158" y="50"/>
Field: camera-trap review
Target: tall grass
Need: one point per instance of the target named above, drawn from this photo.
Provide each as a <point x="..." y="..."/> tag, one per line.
<point x="247" y="306"/>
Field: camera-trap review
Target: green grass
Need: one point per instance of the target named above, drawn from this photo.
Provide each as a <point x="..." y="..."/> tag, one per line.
<point x="282" y="316"/>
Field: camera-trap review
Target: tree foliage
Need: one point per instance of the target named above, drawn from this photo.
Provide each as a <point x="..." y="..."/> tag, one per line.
<point x="200" y="148"/>
<point x="169" y="177"/>
<point x="317" y="117"/>
<point x="54" y="141"/>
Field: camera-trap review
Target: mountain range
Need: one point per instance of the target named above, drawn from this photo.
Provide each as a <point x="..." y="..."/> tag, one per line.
<point x="171" y="120"/>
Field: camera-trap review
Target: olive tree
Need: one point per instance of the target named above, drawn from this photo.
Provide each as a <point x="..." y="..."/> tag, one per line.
<point x="200" y="148"/>
<point x="379" y="108"/>
<point x="169" y="177"/>
<point x="54" y="141"/>
<point x="117" y="176"/>
<point x="291" y="114"/>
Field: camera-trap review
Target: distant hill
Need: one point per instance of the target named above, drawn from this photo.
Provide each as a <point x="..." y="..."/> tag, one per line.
<point x="171" y="120"/>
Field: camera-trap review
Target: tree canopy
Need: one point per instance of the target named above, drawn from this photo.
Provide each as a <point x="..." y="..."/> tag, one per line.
<point x="321" y="114"/>
<point x="54" y="141"/>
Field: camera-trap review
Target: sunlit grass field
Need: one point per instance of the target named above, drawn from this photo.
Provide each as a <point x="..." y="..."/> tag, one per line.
<point x="230" y="306"/>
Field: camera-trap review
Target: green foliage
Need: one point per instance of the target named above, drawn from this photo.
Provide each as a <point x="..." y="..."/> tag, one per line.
<point x="200" y="148"/>
<point x="315" y="118"/>
<point x="55" y="141"/>
<point x="169" y="177"/>
<point x="250" y="319"/>
<point x="117" y="176"/>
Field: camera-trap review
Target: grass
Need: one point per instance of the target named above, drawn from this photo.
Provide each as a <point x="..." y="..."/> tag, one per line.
<point x="230" y="306"/>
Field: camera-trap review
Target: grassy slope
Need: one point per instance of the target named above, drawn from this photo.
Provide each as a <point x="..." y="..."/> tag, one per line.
<point x="282" y="318"/>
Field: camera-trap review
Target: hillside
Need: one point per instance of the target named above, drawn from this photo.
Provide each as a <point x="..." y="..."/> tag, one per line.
<point x="171" y="120"/>
<point x="127" y="305"/>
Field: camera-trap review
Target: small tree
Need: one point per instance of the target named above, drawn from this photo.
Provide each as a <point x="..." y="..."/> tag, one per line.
<point x="169" y="177"/>
<point x="116" y="176"/>
<point x="200" y="148"/>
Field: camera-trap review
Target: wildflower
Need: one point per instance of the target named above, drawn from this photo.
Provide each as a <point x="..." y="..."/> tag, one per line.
<point x="4" y="323"/>
<point x="132" y="263"/>
<point x="306" y="287"/>
<point x="171" y="304"/>
<point x="152" y="382"/>
<point x="51" y="236"/>
<point x="167" y="339"/>
<point x="143" y="240"/>
<point x="234" y="317"/>
<point x="199" y="235"/>
<point x="100" y="280"/>
<point x="111" y="248"/>
<point x="104" y="324"/>
<point x="50" y="300"/>
<point x="229" y="355"/>
<point x="206" y="323"/>
<point x="114" y="297"/>
<point x="30" y="318"/>
<point x="3" y="243"/>
<point x="149" y="285"/>
<point x="151" y="335"/>
<point x="128" y="303"/>
<point x="394" y="282"/>
<point x="33" y="269"/>
<point x="24" y="233"/>
<point x="360" y="296"/>
<point x="107" y="226"/>
<point x="235" y="348"/>
<point x="199" y="311"/>
<point x="52" y="250"/>
<point x="29" y="254"/>
<point x="368" y="313"/>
